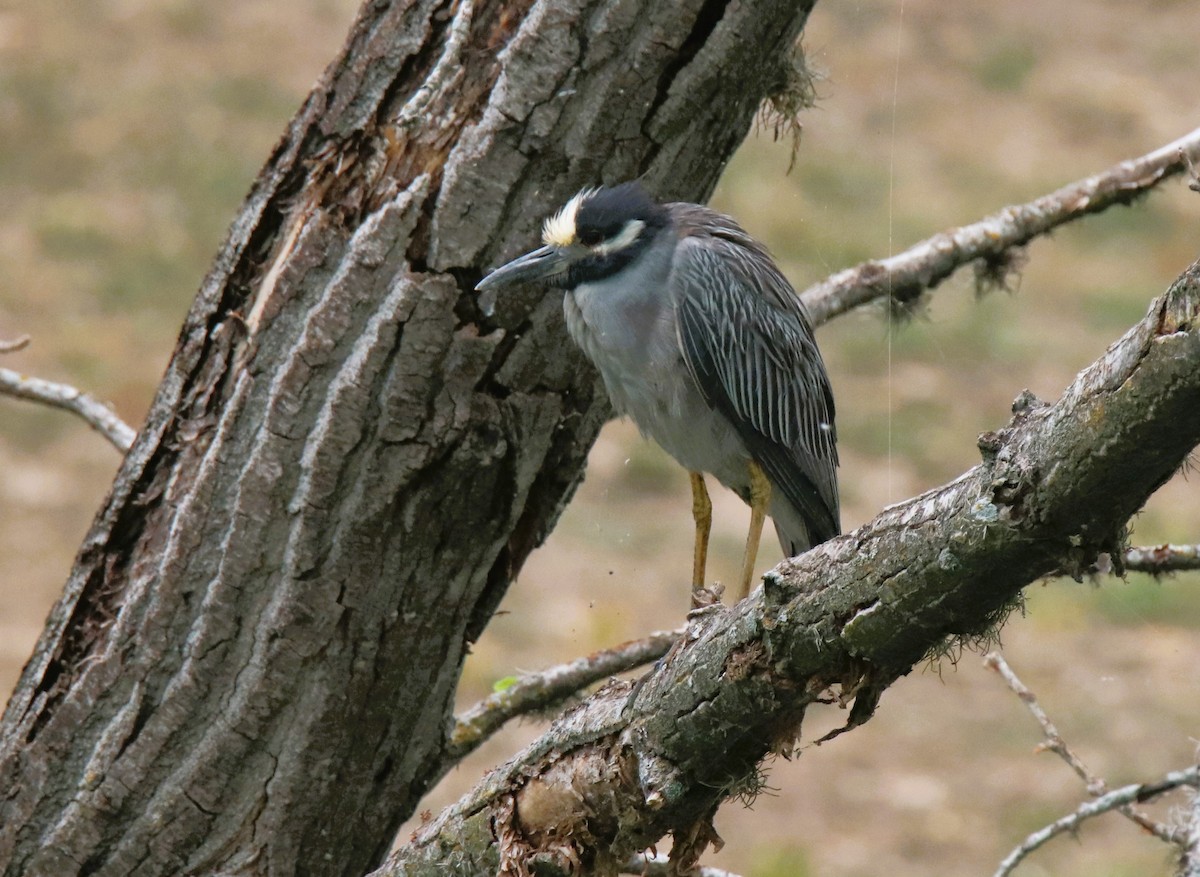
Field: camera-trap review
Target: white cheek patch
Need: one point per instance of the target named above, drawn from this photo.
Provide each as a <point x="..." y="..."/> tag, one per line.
<point x="559" y="230"/>
<point x="628" y="235"/>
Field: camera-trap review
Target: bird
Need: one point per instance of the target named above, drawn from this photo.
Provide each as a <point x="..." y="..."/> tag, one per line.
<point x="700" y="340"/>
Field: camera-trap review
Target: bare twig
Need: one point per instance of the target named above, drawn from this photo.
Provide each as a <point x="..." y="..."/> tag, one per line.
<point x="659" y="866"/>
<point x="906" y="275"/>
<point x="1056" y="744"/>
<point x="1054" y="741"/>
<point x="1160" y="559"/>
<point x="537" y="691"/>
<point x="1155" y="560"/>
<point x="1122" y="797"/>
<point x="1193" y="176"/>
<point x="97" y="415"/>
<point x="16" y="344"/>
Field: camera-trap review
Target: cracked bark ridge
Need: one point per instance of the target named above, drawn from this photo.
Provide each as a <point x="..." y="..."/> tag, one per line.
<point x="252" y="666"/>
<point x="1055" y="488"/>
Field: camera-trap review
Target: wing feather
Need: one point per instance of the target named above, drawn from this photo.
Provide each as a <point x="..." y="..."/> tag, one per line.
<point x="749" y="347"/>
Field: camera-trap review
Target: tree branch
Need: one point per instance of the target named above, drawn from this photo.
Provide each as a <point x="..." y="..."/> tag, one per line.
<point x="1096" y="786"/>
<point x="1160" y="559"/>
<point x="1122" y="797"/>
<point x="19" y="343"/>
<point x="537" y="691"/>
<point x="95" y="413"/>
<point x="906" y="275"/>
<point x="1055" y="488"/>
<point x="1189" y="864"/>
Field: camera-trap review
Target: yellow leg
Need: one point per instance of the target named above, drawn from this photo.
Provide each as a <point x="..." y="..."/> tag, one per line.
<point x="760" y="498"/>
<point x="702" y="514"/>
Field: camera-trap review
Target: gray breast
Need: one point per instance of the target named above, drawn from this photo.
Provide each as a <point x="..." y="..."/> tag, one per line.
<point x="627" y="328"/>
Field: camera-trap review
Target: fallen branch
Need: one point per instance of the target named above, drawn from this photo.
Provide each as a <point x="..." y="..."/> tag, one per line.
<point x="96" y="414"/>
<point x="1137" y="793"/>
<point x="1055" y="743"/>
<point x="537" y="691"/>
<point x="905" y="276"/>
<point x="629" y="765"/>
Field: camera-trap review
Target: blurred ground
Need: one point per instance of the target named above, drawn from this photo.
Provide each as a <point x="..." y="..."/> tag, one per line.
<point x="130" y="130"/>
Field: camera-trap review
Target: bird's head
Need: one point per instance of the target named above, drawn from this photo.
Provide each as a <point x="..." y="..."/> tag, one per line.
<point x="592" y="236"/>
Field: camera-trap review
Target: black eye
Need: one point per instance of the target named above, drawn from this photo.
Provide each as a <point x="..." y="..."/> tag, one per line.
<point x="590" y="237"/>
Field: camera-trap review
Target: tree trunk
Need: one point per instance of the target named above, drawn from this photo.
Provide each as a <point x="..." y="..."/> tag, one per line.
<point x="252" y="665"/>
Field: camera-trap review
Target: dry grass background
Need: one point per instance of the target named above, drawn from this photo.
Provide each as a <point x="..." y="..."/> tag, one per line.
<point x="130" y="130"/>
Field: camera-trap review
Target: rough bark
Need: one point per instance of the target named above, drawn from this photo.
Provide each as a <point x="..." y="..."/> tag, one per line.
<point x="251" y="668"/>
<point x="634" y="762"/>
<point x="1189" y="862"/>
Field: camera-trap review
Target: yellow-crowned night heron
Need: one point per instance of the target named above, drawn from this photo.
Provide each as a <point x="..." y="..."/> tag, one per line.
<point x="703" y="342"/>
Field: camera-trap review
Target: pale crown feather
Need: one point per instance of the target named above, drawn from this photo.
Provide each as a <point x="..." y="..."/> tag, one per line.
<point x="559" y="229"/>
<point x="562" y="229"/>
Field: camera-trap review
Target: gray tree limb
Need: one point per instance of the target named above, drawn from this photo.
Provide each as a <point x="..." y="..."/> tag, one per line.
<point x="18" y="343"/>
<point x="992" y="241"/>
<point x="346" y="462"/>
<point x="1055" y="488"/>
<point x="1161" y="559"/>
<point x="1189" y="862"/>
<point x="1096" y="786"/>
<point x="1122" y="797"/>
<point x="92" y="411"/>
<point x="538" y="691"/>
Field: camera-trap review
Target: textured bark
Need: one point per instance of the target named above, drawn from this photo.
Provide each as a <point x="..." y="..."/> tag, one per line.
<point x="251" y="668"/>
<point x="1055" y="488"/>
<point x="1189" y="862"/>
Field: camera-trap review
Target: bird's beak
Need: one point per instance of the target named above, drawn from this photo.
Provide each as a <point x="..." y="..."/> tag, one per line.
<point x="540" y="265"/>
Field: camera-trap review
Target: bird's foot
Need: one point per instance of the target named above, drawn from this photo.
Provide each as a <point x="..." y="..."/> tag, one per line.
<point x="705" y="596"/>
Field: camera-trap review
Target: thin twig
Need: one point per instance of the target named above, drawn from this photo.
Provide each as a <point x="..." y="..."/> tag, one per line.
<point x="97" y="415"/>
<point x="1193" y="176"/>
<point x="1055" y="743"/>
<point x="537" y="691"/>
<point x="927" y="264"/>
<point x="1160" y="559"/>
<point x="16" y="344"/>
<point x="659" y="866"/>
<point x="1139" y="792"/>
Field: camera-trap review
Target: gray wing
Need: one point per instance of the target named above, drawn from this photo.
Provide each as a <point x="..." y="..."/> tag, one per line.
<point x="748" y="344"/>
